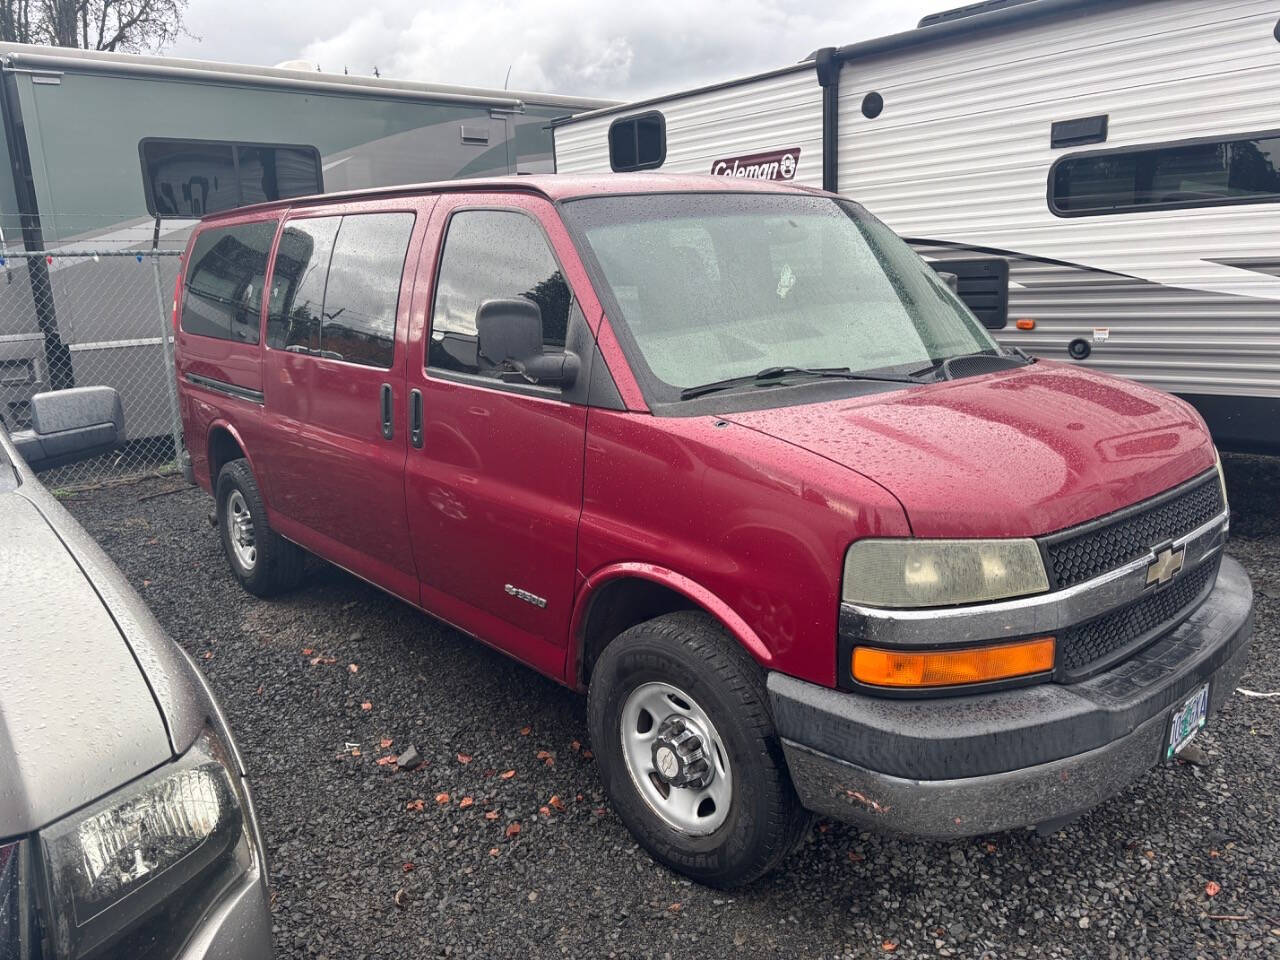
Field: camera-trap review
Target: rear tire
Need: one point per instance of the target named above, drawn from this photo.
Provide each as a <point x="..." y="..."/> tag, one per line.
<point x="263" y="561"/>
<point x="686" y="662"/>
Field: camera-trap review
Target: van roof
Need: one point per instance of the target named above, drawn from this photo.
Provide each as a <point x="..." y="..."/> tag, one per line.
<point x="553" y="186"/>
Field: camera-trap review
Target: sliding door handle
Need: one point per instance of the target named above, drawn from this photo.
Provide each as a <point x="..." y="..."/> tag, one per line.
<point x="387" y="429"/>
<point x="415" y="418"/>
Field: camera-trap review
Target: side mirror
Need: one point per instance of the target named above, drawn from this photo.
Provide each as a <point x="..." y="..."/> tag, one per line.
<point x="70" y="425"/>
<point x="509" y="335"/>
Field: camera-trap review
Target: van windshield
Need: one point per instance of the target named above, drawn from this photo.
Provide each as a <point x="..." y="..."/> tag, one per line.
<point x="720" y="286"/>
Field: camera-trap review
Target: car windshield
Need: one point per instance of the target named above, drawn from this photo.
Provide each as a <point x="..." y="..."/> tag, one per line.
<point x="719" y="286"/>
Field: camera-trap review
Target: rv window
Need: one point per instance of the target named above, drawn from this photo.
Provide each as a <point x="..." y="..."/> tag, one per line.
<point x="493" y="254"/>
<point x="363" y="292"/>
<point x="1195" y="174"/>
<point x="224" y="281"/>
<point x="638" y="143"/>
<point x="192" y="178"/>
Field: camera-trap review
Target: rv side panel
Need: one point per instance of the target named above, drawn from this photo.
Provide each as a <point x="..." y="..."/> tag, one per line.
<point x="771" y="114"/>
<point x="959" y="160"/>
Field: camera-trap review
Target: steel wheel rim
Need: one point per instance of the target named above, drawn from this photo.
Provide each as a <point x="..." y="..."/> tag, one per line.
<point x="693" y="810"/>
<point x="240" y="530"/>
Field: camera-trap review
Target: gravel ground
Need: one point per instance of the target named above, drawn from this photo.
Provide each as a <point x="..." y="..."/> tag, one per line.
<point x="502" y="844"/>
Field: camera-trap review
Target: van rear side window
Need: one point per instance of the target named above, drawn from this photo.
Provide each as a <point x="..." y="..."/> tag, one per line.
<point x="336" y="287"/>
<point x="224" y="280"/>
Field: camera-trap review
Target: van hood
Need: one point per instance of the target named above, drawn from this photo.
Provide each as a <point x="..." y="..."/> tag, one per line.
<point x="1017" y="453"/>
<point x="77" y="717"/>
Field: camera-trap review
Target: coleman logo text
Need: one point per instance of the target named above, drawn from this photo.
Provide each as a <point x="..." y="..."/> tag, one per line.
<point x="774" y="165"/>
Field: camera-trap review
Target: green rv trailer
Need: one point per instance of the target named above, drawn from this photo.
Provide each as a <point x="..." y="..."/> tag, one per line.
<point x="114" y="155"/>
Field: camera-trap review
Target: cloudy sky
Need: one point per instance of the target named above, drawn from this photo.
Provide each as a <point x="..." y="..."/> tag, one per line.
<point x="583" y="47"/>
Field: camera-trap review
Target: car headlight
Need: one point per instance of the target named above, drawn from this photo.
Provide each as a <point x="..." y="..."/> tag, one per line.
<point x="940" y="573"/>
<point x="165" y="842"/>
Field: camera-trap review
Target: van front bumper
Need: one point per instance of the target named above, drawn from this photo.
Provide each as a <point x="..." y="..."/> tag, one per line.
<point x="1034" y="756"/>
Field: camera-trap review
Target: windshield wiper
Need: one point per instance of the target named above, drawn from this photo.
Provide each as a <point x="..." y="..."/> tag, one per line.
<point x="770" y="376"/>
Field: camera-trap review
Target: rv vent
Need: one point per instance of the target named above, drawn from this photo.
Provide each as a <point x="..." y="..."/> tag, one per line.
<point x="969" y="10"/>
<point x="983" y="284"/>
<point x="1075" y="133"/>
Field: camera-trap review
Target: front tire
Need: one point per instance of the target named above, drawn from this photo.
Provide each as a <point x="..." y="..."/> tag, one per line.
<point x="679" y="719"/>
<point x="263" y="561"/>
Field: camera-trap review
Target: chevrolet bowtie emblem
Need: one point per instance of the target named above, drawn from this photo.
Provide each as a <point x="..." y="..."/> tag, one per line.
<point x="1166" y="565"/>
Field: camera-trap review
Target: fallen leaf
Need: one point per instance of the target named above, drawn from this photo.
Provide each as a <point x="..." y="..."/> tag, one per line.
<point x="587" y="754"/>
<point x="1150" y="854"/>
<point x="888" y="946"/>
<point x="208" y="654"/>
<point x="545" y="811"/>
<point x="464" y="758"/>
<point x="415" y="805"/>
<point x="1212" y="888"/>
<point x="260" y="689"/>
<point x="322" y="659"/>
<point x="442" y="798"/>
<point x="146" y="583"/>
<point x="576" y="745"/>
<point x="385" y="742"/>
<point x="307" y="651"/>
<point x="855" y="856"/>
<point x="493" y="851"/>
<point x="388" y="759"/>
<point x="507" y="775"/>
<point x="407" y="866"/>
<point x="547" y="757"/>
<point x="492" y="815"/>
<point x="556" y="802"/>
<point x="600" y="811"/>
<point x="355" y="751"/>
<point x="366" y="705"/>
<point x="674" y="908"/>
<point x="991" y="848"/>
<point x="353" y="668"/>
<point x="525" y="731"/>
<point x="466" y="802"/>
<point x="1214" y="854"/>
<point x="513" y="828"/>
<point x="402" y="897"/>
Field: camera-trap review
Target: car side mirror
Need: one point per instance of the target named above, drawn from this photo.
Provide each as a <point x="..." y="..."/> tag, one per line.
<point x="509" y="335"/>
<point x="70" y="425"/>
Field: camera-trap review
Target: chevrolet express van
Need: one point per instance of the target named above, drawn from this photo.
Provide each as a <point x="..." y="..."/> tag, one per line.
<point x="733" y="460"/>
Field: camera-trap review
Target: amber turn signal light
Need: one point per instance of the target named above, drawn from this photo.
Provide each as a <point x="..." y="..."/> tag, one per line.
<point x="945" y="668"/>
<point x="1026" y="323"/>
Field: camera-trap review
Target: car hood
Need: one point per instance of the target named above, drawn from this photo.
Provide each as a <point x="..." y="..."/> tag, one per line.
<point x="1017" y="453"/>
<point x="77" y="716"/>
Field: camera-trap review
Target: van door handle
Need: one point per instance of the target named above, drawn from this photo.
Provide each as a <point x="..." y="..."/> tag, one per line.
<point x="387" y="429"/>
<point x="415" y="418"/>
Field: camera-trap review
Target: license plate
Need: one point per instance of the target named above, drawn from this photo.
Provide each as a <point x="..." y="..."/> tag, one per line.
<point x="1187" y="720"/>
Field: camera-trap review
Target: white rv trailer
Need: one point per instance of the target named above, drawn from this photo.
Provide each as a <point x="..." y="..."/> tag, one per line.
<point x="100" y="144"/>
<point x="1111" y="168"/>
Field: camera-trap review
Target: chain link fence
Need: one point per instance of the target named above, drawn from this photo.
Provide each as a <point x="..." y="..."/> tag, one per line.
<point x="88" y="313"/>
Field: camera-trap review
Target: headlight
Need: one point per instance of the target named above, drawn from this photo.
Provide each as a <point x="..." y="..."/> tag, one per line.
<point x="158" y="842"/>
<point x="939" y="573"/>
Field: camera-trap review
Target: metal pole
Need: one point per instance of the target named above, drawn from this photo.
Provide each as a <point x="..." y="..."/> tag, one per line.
<point x="166" y="332"/>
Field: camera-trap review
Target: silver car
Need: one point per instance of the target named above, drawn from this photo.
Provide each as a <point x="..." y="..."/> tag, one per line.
<point x="126" y="823"/>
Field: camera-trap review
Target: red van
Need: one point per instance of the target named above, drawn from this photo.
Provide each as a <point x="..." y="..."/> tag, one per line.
<point x="733" y="460"/>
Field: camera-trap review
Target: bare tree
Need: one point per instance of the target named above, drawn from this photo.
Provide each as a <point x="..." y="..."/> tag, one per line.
<point x="125" y="25"/>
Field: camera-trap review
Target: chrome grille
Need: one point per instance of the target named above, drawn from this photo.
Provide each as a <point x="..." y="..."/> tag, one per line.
<point x="1094" y="645"/>
<point x="1101" y="546"/>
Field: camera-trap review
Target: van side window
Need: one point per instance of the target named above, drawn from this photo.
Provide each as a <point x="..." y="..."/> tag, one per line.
<point x="359" y="322"/>
<point x="336" y="286"/>
<point x="297" y="283"/>
<point x="493" y="254"/>
<point x="224" y="280"/>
